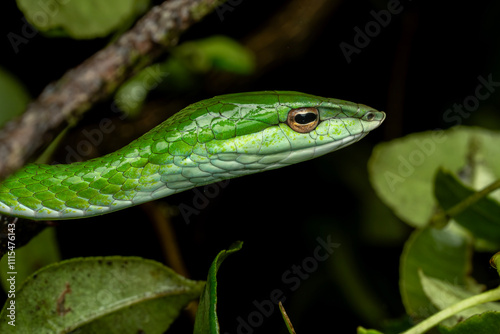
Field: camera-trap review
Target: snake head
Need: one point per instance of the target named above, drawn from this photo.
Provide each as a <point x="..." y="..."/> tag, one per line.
<point x="275" y="128"/>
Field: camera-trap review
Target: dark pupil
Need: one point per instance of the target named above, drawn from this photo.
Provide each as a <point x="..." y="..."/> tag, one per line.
<point x="305" y="118"/>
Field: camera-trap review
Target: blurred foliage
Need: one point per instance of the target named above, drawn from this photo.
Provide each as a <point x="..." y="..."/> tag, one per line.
<point x="485" y="323"/>
<point x="13" y="96"/>
<point x="402" y="170"/>
<point x="181" y="72"/>
<point x="436" y="263"/>
<point x="40" y="252"/>
<point x="81" y="19"/>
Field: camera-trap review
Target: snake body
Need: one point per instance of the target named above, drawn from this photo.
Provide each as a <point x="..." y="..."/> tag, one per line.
<point x="211" y="140"/>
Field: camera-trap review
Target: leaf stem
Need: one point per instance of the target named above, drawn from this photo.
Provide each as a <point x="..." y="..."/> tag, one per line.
<point x="485" y="297"/>
<point x="442" y="217"/>
<point x="288" y="323"/>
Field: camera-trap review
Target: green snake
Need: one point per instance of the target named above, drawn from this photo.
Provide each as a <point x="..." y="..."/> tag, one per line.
<point x="215" y="139"/>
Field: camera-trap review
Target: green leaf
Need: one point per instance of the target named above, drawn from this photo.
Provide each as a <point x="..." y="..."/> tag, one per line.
<point x="482" y="218"/>
<point x="101" y="295"/>
<point x="13" y="97"/>
<point x="206" y="317"/>
<point x="362" y="330"/>
<point x="402" y="171"/>
<point x="485" y="323"/>
<point x="445" y="294"/>
<point x="81" y="19"/>
<point x="132" y="94"/>
<point x="444" y="254"/>
<point x="41" y="251"/>
<point x="216" y="52"/>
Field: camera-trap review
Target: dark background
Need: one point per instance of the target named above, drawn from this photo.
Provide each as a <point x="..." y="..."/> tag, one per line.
<point x="428" y="58"/>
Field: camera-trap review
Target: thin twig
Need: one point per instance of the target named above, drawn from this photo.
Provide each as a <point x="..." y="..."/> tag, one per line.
<point x="96" y="79"/>
<point x="442" y="217"/>
<point x="160" y="217"/>
<point x="427" y="324"/>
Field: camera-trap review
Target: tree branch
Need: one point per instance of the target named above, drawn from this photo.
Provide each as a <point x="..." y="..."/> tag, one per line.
<point x="96" y="79"/>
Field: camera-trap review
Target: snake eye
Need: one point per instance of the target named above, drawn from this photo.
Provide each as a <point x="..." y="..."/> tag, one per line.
<point x="303" y="120"/>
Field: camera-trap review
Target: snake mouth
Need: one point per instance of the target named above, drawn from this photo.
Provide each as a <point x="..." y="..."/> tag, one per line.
<point x="335" y="145"/>
<point x="308" y="153"/>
